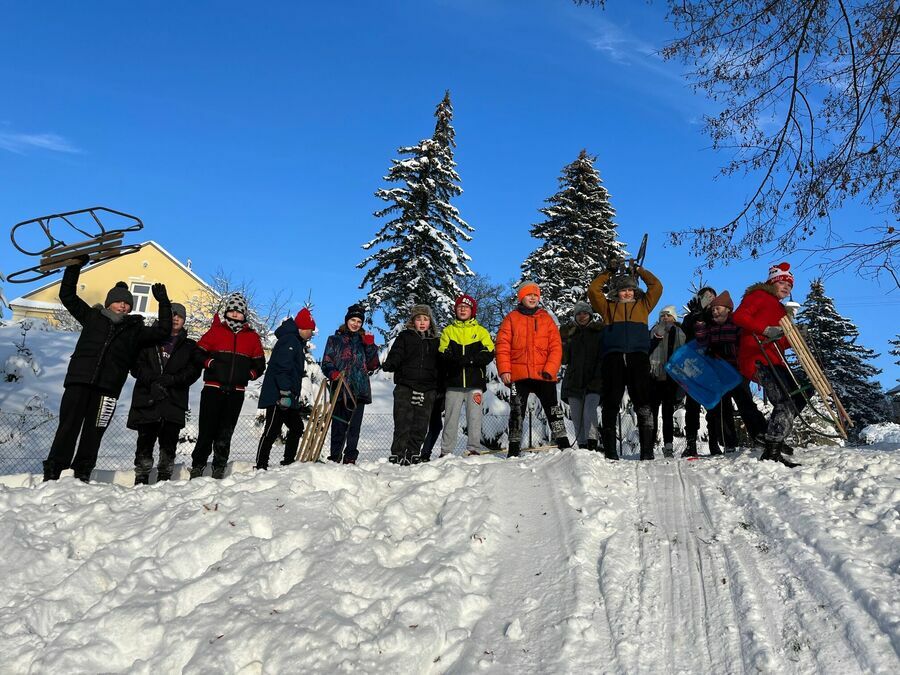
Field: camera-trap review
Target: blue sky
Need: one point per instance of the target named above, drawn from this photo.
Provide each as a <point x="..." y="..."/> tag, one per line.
<point x="252" y="138"/>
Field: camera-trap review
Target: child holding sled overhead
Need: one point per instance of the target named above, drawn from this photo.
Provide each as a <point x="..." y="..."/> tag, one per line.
<point x="626" y="340"/>
<point x="110" y="341"/>
<point x="413" y="359"/>
<point x="760" y="355"/>
<point x="529" y="355"/>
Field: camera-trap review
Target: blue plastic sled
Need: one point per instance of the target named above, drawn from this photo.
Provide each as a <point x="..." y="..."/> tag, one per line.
<point x="704" y="378"/>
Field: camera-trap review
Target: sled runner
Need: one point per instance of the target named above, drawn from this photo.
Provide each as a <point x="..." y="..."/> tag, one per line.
<point x="836" y="412"/>
<point x="89" y="235"/>
<point x="319" y="421"/>
<point x="704" y="378"/>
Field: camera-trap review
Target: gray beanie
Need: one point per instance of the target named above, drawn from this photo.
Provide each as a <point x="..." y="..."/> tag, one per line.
<point x="581" y="306"/>
<point x="178" y="310"/>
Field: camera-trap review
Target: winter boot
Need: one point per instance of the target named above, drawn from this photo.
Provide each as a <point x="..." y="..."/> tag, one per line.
<point x="163" y="477"/>
<point x="218" y="472"/>
<point x="691" y="449"/>
<point x="714" y="450"/>
<point x="563" y="443"/>
<point x="609" y="444"/>
<point x="592" y="444"/>
<point x="785" y="449"/>
<point x="667" y="450"/>
<point x="261" y="468"/>
<point x="772" y="453"/>
<point x="141" y="479"/>
<point x="51" y="472"/>
<point x="84" y="477"/>
<point x="287" y="461"/>
<point x="196" y="471"/>
<point x="647" y="440"/>
<point x="513" y="450"/>
<point x="394" y="459"/>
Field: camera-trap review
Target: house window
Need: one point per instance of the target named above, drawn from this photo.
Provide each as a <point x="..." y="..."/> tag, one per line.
<point x="141" y="293"/>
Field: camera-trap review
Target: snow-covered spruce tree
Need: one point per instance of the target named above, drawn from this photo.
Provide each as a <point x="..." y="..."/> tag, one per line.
<point x="833" y="339"/>
<point x="895" y="351"/>
<point x="417" y="254"/>
<point x="579" y="236"/>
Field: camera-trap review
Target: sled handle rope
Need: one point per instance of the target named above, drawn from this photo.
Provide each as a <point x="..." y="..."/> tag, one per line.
<point x="320" y="420"/>
<point x="817" y="377"/>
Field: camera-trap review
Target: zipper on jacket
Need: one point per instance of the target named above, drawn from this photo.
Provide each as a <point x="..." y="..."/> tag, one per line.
<point x="110" y="335"/>
<point x="464" y="367"/>
<point x="233" y="355"/>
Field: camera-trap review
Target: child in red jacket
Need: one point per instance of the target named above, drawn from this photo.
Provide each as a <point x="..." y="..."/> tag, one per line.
<point x="232" y="355"/>
<point x="760" y="355"/>
<point x="529" y="355"/>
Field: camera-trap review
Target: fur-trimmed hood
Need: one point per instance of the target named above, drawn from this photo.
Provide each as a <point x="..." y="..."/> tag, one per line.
<point x="762" y="286"/>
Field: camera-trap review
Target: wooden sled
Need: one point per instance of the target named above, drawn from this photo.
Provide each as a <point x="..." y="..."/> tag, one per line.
<point x="319" y="421"/>
<point x="93" y="239"/>
<point x="836" y="412"/>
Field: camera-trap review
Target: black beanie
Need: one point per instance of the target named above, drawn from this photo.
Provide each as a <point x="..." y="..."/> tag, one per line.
<point x="355" y="312"/>
<point x="119" y="293"/>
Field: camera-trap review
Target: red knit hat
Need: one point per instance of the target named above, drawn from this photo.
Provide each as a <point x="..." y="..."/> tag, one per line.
<point x="467" y="300"/>
<point x="781" y="272"/>
<point x="304" y="320"/>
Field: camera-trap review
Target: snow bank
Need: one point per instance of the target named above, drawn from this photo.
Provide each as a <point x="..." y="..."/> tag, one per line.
<point x="878" y="434"/>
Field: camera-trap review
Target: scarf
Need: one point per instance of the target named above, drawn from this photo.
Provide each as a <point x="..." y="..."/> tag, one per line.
<point x="667" y="345"/>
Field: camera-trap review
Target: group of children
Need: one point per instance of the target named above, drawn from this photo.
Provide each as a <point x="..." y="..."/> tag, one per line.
<point x="606" y="349"/>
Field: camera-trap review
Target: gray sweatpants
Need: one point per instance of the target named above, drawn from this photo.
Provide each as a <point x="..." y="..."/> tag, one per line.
<point x="455" y="398"/>
<point x="583" y="412"/>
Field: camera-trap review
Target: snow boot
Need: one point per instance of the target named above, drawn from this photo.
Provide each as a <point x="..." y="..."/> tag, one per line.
<point x="196" y="471"/>
<point x="772" y="453"/>
<point x="691" y="449"/>
<point x="563" y="443"/>
<point x="714" y="450"/>
<point x="668" y="451"/>
<point x="513" y="450"/>
<point x="592" y="444"/>
<point x="287" y="461"/>
<point x="218" y="472"/>
<point x="785" y="449"/>
<point x="141" y="479"/>
<point x="394" y="459"/>
<point x="609" y="444"/>
<point x="84" y="477"/>
<point x="647" y="440"/>
<point x="163" y="477"/>
<point x="50" y="472"/>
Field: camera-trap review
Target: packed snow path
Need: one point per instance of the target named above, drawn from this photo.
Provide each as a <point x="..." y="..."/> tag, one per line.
<point x="552" y="563"/>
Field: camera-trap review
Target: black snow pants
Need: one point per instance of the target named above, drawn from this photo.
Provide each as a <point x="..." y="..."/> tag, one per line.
<point x="84" y="415"/>
<point x="167" y="434"/>
<point x="219" y="412"/>
<point x="518" y="405"/>
<point x="620" y="372"/>
<point x="275" y="418"/>
<point x="787" y="402"/>
<point x="412" y="412"/>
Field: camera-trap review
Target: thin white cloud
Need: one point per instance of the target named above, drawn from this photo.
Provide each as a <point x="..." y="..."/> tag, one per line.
<point x="620" y="45"/>
<point x="20" y="143"/>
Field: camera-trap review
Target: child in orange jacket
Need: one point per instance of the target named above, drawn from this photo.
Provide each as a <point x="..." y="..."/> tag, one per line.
<point x="529" y="355"/>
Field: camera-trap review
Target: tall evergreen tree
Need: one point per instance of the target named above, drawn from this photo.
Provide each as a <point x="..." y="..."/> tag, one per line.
<point x="579" y="237"/>
<point x="417" y="254"/>
<point x="833" y="339"/>
<point x="895" y="344"/>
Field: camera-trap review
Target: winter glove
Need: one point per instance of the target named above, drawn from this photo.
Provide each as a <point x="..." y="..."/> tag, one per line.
<point x="368" y="339"/>
<point x="159" y="293"/>
<point x="546" y="375"/>
<point x="694" y="306"/>
<point x="285" y="400"/>
<point x="158" y="392"/>
<point x="773" y="332"/>
<point x="614" y="264"/>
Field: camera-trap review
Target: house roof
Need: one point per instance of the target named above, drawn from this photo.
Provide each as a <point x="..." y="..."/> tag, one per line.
<point x="23" y="301"/>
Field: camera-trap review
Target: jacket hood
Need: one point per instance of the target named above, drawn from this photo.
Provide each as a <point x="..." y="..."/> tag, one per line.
<point x="762" y="286"/>
<point x="287" y="327"/>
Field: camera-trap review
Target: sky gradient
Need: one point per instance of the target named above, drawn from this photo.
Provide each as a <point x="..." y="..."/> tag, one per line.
<point x="252" y="139"/>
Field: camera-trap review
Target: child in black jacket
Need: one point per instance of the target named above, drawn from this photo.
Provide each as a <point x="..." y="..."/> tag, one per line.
<point x="108" y="346"/>
<point x="414" y="361"/>
<point x="163" y="377"/>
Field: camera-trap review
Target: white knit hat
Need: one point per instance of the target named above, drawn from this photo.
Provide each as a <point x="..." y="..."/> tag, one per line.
<point x="669" y="309"/>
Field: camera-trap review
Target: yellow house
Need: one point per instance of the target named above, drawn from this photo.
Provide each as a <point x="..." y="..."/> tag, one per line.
<point x="140" y="270"/>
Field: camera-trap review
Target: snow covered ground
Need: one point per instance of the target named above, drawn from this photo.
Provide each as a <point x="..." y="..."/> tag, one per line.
<point x="557" y="562"/>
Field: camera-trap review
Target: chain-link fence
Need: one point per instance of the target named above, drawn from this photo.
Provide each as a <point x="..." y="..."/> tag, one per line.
<point x="25" y="438"/>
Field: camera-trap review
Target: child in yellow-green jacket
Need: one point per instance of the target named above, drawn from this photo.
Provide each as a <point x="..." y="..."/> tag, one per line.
<point x="466" y="349"/>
